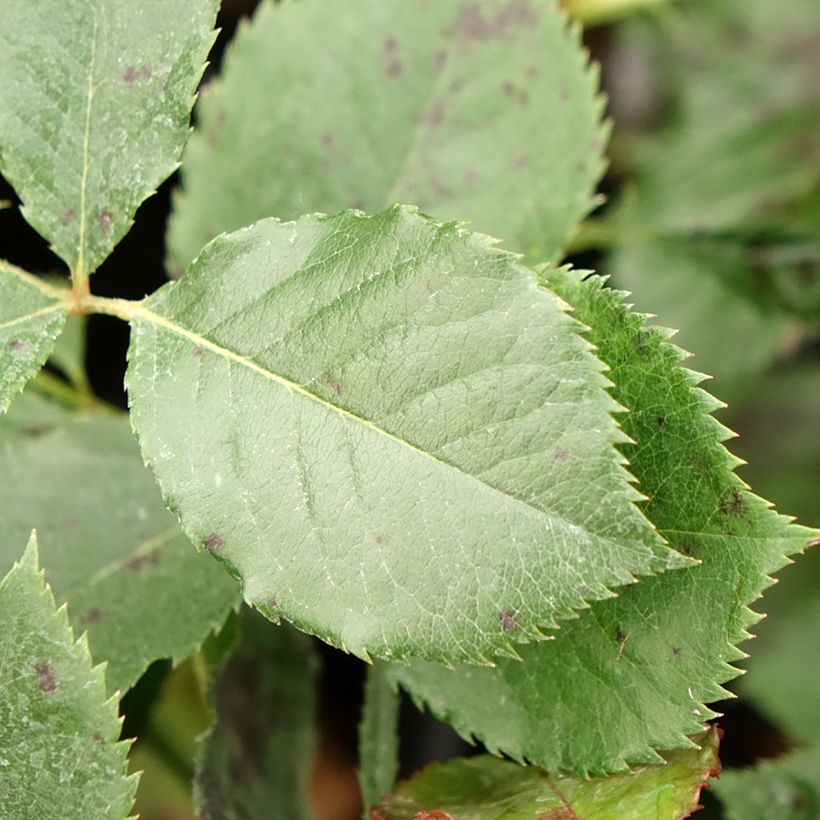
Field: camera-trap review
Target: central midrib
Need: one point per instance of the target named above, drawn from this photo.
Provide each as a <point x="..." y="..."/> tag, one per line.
<point x="140" y="311"/>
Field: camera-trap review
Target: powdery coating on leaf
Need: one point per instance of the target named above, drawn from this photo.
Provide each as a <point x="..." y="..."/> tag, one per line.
<point x="95" y="101"/>
<point x="59" y="755"/>
<point x="132" y="580"/>
<point x="485" y="111"/>
<point x="368" y="435"/>
<point x="632" y="674"/>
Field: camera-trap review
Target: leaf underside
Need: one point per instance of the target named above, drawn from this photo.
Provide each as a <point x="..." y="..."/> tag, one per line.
<point x="95" y="101"/>
<point x="462" y="111"/>
<point x="111" y="550"/>
<point x="30" y="322"/>
<point x="389" y="433"/>
<point x="59" y="755"/>
<point x="485" y="788"/>
<point x="257" y="758"/>
<point x="650" y="659"/>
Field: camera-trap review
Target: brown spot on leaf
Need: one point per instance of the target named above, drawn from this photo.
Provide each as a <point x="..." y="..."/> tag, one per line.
<point x="660" y="421"/>
<point x="46" y="679"/>
<point x="328" y="140"/>
<point x="392" y="64"/>
<point x="66" y="217"/>
<point x="129" y="76"/>
<point x="532" y="71"/>
<point x="440" y="59"/>
<point x="105" y="221"/>
<point x="509" y="621"/>
<point x="676" y="650"/>
<point x="213" y="542"/>
<point x="197" y="351"/>
<point x="96" y="737"/>
<point x="560" y="454"/>
<point x="93" y="616"/>
<point x="36" y="430"/>
<point x="140" y="562"/>
<point x="272" y="603"/>
<point x="472" y="25"/>
<point x="145" y="72"/>
<point x="334" y="384"/>
<point x="508" y="88"/>
<point x="379" y="539"/>
<point x="435" y="116"/>
<point x="522" y="160"/>
<point x="17" y="344"/>
<point x="734" y="504"/>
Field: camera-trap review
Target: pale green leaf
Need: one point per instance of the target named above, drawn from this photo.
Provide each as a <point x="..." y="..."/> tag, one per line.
<point x="593" y="12"/>
<point x="95" y="100"/>
<point x="378" y="737"/>
<point x="484" y="788"/>
<point x="784" y="789"/>
<point x="258" y="756"/>
<point x="69" y="353"/>
<point x="633" y="674"/>
<point x="59" y="755"/>
<point x="31" y="319"/>
<point x="485" y="111"/>
<point x="389" y="433"/>
<point x="111" y="550"/>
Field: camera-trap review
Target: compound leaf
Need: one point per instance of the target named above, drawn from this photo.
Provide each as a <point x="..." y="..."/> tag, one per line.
<point x="633" y="673"/>
<point x="257" y="758"/>
<point x="393" y="437"/>
<point x="486" y="111"/>
<point x="31" y="318"/>
<point x="59" y="755"/>
<point x="112" y="551"/>
<point x="485" y="788"/>
<point x="95" y="101"/>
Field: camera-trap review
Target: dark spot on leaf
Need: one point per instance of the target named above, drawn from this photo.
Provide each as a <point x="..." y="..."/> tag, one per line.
<point x="328" y="140"/>
<point x="685" y="547"/>
<point x="105" y="221"/>
<point x="129" y="76"/>
<point x="333" y="383"/>
<point x="441" y="59"/>
<point x="66" y="217"/>
<point x="36" y="430"/>
<point x="16" y="344"/>
<point x="560" y="454"/>
<point x="676" y="650"/>
<point x="509" y="621"/>
<point x="392" y="64"/>
<point x="508" y="88"/>
<point x="620" y="635"/>
<point x="435" y="116"/>
<point x="734" y="504"/>
<point x="532" y="71"/>
<point x="472" y="25"/>
<point x="379" y="539"/>
<point x="213" y="542"/>
<point x="813" y="542"/>
<point x="522" y="160"/>
<point x="96" y="737"/>
<point x="197" y="351"/>
<point x="145" y="72"/>
<point x="46" y="679"/>
<point x="272" y="603"/>
<point x="140" y="562"/>
<point x="661" y="421"/>
<point x="93" y="616"/>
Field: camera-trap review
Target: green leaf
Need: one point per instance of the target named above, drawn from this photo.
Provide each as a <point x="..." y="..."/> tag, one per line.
<point x="69" y="353"/>
<point x="709" y="188"/>
<point x="257" y="758"/>
<point x="594" y="12"/>
<point x="389" y="433"/>
<point x="484" y="788"/>
<point x="131" y="578"/>
<point x="59" y="755"/>
<point x="486" y="111"/>
<point x="786" y="789"/>
<point x="378" y="737"/>
<point x="31" y="318"/>
<point x="95" y="101"/>
<point x="633" y="674"/>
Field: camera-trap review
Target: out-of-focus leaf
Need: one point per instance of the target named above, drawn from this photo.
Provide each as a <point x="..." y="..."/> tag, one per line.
<point x="592" y="12"/>
<point x="485" y="788"/>
<point x="95" y="101"/>
<point x="59" y="755"/>
<point x="633" y="674"/>
<point x="485" y="111"/>
<point x="257" y="758"/>
<point x="378" y="737"/>
<point x="385" y="427"/>
<point x="131" y="578"/>
<point x="31" y="318"/>
<point x="784" y="789"/>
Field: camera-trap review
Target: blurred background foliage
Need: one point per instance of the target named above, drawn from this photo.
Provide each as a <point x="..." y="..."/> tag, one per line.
<point x="712" y="220"/>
